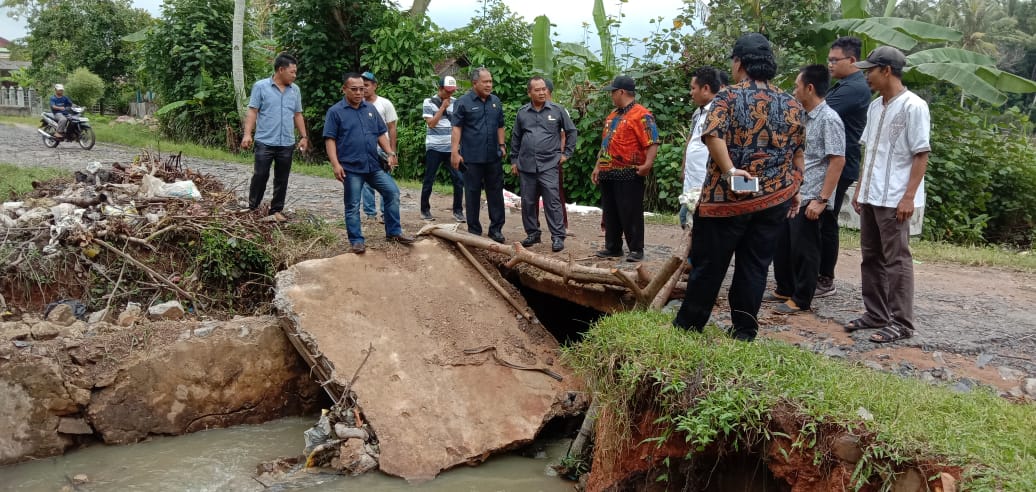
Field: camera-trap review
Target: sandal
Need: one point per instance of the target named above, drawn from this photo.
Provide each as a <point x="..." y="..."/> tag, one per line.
<point x="890" y="334"/>
<point x="859" y="324"/>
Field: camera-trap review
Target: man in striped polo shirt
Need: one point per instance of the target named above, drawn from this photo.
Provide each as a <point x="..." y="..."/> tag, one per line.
<point x="437" y="112"/>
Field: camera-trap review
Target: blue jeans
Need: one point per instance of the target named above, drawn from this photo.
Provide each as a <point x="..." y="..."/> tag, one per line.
<point x="432" y="160"/>
<point x="369" y="207"/>
<point x="386" y="186"/>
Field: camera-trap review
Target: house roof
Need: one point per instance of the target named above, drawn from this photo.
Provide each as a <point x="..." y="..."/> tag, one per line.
<point x="14" y="65"/>
<point x="4" y="42"/>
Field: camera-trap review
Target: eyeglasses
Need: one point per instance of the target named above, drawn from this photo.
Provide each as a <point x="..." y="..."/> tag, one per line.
<point x="832" y="61"/>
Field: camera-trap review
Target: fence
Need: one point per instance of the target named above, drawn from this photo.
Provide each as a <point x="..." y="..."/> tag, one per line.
<point x="20" y="101"/>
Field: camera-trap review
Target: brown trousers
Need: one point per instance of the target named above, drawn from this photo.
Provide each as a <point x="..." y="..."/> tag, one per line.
<point x="887" y="268"/>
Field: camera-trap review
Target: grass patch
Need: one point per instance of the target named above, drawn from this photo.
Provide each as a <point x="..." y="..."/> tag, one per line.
<point x="712" y="389"/>
<point x="661" y="218"/>
<point x="16" y="180"/>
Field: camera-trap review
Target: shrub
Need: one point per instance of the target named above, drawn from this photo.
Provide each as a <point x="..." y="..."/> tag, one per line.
<point x="84" y="88"/>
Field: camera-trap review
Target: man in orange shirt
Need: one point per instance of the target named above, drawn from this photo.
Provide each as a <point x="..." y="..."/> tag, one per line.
<point x="628" y="148"/>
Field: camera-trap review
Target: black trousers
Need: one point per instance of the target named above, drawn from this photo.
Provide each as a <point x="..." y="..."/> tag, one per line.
<point x="542" y="185"/>
<point x="622" y="204"/>
<point x="797" y="258"/>
<point x="488" y="176"/>
<point x="278" y="156"/>
<point x="829" y="230"/>
<point x="432" y="160"/>
<point x="714" y="240"/>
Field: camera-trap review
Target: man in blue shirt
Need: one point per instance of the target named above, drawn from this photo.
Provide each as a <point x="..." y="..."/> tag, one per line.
<point x="353" y="131"/>
<point x="274" y="107"/>
<point x="850" y="99"/>
<point x="59" y="105"/>
<point x="478" y="143"/>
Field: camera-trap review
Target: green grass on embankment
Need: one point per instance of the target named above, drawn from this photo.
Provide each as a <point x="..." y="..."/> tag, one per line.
<point x="16" y="180"/>
<point x="992" y="439"/>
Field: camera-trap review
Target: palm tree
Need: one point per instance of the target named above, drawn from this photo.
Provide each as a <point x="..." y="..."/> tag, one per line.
<point x="236" y="58"/>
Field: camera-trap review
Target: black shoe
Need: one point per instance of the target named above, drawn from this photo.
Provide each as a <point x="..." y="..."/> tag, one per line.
<point x="459" y="217"/>
<point x="498" y="238"/>
<point x="558" y="245"/>
<point x="401" y="239"/>
<point x="359" y="248"/>
<point x="604" y="253"/>
<point x="635" y="256"/>
<point x="530" y="240"/>
<point x="427" y="216"/>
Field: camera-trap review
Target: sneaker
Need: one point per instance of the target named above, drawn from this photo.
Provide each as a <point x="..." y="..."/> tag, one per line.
<point x="604" y="253"/>
<point x="775" y="297"/>
<point x="359" y="248"/>
<point x="825" y="287"/>
<point x="787" y="307"/>
<point x="635" y="256"/>
<point x="427" y="216"/>
<point x="459" y="217"/>
<point x="279" y="217"/>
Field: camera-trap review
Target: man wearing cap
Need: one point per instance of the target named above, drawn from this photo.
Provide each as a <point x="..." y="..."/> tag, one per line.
<point x="274" y="112"/>
<point x="477" y="143"/>
<point x="437" y="112"/>
<point x="896" y="140"/>
<point x="849" y="98"/>
<point x="353" y="132"/>
<point x="754" y="130"/>
<point x="628" y="148"/>
<point x="59" y="105"/>
<point x="536" y="156"/>
<point x="388" y="114"/>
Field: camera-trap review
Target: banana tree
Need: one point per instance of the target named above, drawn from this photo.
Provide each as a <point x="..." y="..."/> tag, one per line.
<point x="973" y="73"/>
<point x="542" y="48"/>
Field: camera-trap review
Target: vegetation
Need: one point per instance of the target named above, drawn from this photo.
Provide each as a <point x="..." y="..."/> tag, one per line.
<point x="16" y="180"/>
<point x="84" y="88"/>
<point x="708" y="389"/>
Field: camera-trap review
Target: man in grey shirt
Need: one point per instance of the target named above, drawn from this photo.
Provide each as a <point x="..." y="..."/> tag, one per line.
<point x="797" y="258"/>
<point x="536" y="156"/>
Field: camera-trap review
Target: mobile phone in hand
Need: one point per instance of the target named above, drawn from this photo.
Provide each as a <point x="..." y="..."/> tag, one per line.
<point x="743" y="184"/>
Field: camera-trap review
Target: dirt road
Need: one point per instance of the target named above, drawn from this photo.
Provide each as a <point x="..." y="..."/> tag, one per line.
<point x="974" y="324"/>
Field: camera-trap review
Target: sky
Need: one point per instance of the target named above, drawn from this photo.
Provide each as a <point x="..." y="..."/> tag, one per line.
<point x="567" y="15"/>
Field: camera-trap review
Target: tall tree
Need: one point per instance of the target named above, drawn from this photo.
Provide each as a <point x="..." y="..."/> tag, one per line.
<point x="237" y="60"/>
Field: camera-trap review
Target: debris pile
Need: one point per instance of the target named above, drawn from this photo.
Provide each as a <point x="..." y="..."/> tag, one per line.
<point x="150" y="231"/>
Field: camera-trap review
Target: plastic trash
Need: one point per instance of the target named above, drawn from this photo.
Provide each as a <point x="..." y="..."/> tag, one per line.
<point x="153" y="187"/>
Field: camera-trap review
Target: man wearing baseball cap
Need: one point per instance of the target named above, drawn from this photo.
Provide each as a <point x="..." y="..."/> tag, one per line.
<point x="437" y="112"/>
<point x="628" y="148"/>
<point x="59" y="105"/>
<point x="891" y="187"/>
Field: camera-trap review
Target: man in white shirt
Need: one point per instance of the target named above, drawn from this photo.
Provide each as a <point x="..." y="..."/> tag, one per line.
<point x="437" y="112"/>
<point x="705" y="83"/>
<point x="388" y="114"/>
<point x="891" y="186"/>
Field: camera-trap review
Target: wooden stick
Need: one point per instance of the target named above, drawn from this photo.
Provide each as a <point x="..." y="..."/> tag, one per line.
<point x="664" y="295"/>
<point x="630" y="284"/>
<point x="155" y="275"/>
<point x="492" y="281"/>
<point x="671" y="265"/>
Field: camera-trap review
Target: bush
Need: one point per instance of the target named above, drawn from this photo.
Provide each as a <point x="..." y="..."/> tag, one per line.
<point x="981" y="179"/>
<point x="84" y="88"/>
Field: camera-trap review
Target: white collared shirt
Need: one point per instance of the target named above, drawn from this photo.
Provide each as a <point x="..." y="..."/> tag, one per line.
<point x="894" y="134"/>
<point x="696" y="156"/>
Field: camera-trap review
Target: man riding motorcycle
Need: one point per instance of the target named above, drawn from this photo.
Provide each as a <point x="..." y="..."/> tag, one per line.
<point x="59" y="105"/>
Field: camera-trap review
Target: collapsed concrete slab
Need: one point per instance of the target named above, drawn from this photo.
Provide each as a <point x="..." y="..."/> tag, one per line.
<point x="432" y="405"/>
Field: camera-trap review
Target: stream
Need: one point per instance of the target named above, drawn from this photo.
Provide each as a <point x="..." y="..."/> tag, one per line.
<point x="226" y="459"/>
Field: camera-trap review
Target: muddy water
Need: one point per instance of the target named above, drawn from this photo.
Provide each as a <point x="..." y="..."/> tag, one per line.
<point x="225" y="460"/>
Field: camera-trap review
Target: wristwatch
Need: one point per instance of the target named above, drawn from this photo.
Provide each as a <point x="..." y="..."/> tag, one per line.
<point x="730" y="172"/>
<point x="821" y="200"/>
<point x="304" y="137"/>
<point x="390" y="154"/>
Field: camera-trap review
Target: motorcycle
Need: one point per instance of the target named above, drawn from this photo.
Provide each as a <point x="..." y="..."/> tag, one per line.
<point x="77" y="130"/>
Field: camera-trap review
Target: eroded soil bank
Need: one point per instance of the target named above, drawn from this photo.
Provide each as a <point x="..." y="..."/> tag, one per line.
<point x="69" y="385"/>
